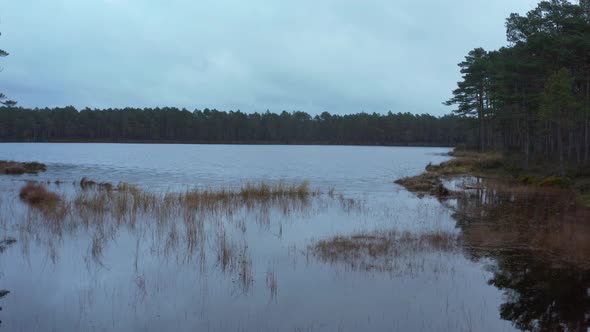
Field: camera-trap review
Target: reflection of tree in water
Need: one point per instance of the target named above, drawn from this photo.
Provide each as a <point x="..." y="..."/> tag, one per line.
<point x="542" y="297"/>
<point x="4" y="244"/>
<point x="538" y="242"/>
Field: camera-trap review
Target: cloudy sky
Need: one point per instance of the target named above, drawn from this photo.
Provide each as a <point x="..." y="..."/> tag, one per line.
<point x="340" y="56"/>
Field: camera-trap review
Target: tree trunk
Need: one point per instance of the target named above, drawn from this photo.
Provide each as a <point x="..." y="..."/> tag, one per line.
<point x="587" y="120"/>
<point x="587" y="139"/>
<point x="527" y="134"/>
<point x="560" y="149"/>
<point x="480" y="115"/>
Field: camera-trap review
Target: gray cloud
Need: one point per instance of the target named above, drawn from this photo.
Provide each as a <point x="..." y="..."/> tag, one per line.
<point x="336" y="55"/>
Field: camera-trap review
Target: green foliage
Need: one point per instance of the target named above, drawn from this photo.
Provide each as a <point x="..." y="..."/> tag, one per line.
<point x="554" y="181"/>
<point x="558" y="98"/>
<point x="469" y="94"/>
<point x="532" y="97"/>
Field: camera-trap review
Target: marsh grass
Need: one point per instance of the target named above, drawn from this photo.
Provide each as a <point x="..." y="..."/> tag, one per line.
<point x="272" y="283"/>
<point x="379" y="250"/>
<point x="189" y="225"/>
<point x="251" y="195"/>
<point x="16" y="168"/>
<point x="226" y="253"/>
<point x="246" y="271"/>
<point x="235" y="260"/>
<point x="463" y="163"/>
<point x="95" y="202"/>
<point x="36" y="195"/>
<point x="86" y="183"/>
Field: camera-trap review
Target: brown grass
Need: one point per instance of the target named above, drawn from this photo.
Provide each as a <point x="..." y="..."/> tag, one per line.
<point x="179" y="221"/>
<point x="14" y="167"/>
<point x="250" y="193"/>
<point x="38" y="196"/>
<point x="125" y="201"/>
<point x="463" y="163"/>
<point x="367" y="249"/>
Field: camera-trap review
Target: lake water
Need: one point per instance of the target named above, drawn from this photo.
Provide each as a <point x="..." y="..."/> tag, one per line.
<point x="149" y="276"/>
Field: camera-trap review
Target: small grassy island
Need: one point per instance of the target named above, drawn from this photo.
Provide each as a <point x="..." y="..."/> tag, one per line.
<point x="15" y="167"/>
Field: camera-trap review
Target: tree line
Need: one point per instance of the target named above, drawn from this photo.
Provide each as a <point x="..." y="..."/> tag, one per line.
<point x="532" y="97"/>
<point x="213" y="126"/>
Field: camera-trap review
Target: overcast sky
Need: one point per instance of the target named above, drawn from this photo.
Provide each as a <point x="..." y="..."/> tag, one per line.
<point x="340" y="56"/>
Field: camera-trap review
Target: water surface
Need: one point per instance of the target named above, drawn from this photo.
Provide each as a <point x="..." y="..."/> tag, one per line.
<point x="142" y="280"/>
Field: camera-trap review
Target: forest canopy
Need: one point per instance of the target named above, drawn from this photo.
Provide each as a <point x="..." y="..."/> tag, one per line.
<point x="532" y="97"/>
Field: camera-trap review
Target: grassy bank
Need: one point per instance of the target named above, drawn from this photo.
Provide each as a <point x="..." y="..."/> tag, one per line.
<point x="501" y="208"/>
<point x="492" y="165"/>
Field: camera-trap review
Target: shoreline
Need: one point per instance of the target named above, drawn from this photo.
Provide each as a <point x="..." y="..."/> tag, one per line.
<point x="546" y="219"/>
<point x="295" y="143"/>
<point x="494" y="166"/>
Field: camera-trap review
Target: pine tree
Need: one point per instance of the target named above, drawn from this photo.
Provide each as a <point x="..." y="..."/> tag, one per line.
<point x="471" y="93"/>
<point x="558" y="106"/>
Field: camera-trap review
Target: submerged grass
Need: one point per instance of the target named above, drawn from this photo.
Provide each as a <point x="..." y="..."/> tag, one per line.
<point x="376" y="250"/>
<point x="126" y="201"/>
<point x="177" y="223"/>
<point x="6" y="242"/>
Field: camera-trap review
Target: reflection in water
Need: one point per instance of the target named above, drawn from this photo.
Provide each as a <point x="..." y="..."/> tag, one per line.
<point x="179" y="225"/>
<point x="534" y="244"/>
<point x="542" y="297"/>
<point x="538" y="242"/>
<point x="4" y="244"/>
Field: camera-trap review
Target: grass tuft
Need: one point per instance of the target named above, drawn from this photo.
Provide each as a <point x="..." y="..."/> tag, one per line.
<point x="37" y="195"/>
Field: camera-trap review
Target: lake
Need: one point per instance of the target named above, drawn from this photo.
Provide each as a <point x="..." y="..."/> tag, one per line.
<point x="350" y="258"/>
